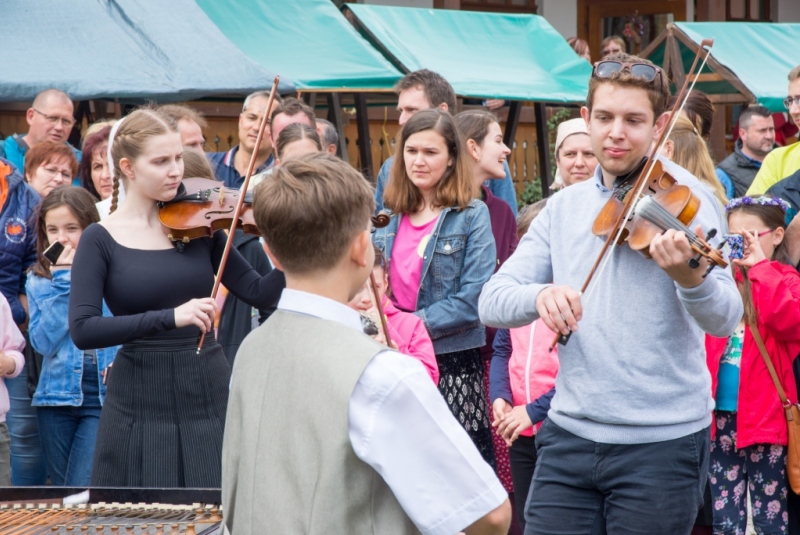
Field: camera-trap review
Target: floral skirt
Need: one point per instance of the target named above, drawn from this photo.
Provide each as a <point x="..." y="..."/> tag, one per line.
<point x="760" y="468"/>
<point x="461" y="385"/>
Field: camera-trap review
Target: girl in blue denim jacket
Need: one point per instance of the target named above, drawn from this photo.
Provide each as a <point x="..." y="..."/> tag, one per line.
<point x="440" y="251"/>
<point x="71" y="390"/>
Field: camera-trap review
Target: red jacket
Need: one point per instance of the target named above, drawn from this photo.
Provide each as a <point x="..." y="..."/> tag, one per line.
<point x="776" y="296"/>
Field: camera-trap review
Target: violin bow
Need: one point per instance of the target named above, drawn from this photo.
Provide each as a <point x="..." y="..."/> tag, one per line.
<point x="380" y="220"/>
<point x="237" y="213"/>
<point x="638" y="187"/>
<point x="379" y="308"/>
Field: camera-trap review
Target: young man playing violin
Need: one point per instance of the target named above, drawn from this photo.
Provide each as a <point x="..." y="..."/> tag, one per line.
<point x="624" y="448"/>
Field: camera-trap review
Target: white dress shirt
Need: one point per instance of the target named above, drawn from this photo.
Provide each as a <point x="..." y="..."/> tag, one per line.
<point x="400" y="425"/>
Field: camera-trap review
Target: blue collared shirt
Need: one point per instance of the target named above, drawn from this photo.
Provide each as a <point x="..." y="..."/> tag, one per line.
<point x="225" y="171"/>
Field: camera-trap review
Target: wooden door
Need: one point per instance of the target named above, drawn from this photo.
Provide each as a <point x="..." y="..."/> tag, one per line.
<point x="637" y="21"/>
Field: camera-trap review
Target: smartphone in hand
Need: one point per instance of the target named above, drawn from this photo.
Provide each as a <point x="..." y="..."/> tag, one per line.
<point x="735" y="246"/>
<point x="53" y="252"/>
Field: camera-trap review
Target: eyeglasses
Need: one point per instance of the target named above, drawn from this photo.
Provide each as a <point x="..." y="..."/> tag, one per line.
<point x="52" y="119"/>
<point x="606" y="69"/>
<point x="788" y="101"/>
<point x="760" y="234"/>
<point x="52" y="172"/>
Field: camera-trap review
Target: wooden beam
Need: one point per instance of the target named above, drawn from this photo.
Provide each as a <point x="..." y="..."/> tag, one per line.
<point x="514" y="109"/>
<point x="543" y="146"/>
<point x="677" y="69"/>
<point x="706" y="77"/>
<point x="716" y="66"/>
<point x="335" y="116"/>
<point x="364" y="145"/>
<point x="735" y="98"/>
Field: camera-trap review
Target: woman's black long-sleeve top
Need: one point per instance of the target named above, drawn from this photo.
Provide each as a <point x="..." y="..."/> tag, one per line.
<point x="143" y="287"/>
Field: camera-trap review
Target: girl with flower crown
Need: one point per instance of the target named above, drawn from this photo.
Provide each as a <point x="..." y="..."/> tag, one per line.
<point x="749" y="450"/>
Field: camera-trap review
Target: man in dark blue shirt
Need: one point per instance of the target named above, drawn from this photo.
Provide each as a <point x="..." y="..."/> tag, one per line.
<point x="231" y="166"/>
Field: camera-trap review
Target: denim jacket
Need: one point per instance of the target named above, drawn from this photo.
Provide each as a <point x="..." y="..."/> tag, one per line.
<point x="458" y="260"/>
<point x="62" y="366"/>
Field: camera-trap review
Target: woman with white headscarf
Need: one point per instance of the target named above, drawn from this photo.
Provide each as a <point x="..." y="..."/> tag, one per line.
<point x="575" y="159"/>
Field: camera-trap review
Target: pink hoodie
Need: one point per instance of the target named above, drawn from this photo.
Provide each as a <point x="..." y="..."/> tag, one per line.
<point x="411" y="337"/>
<point x="532" y="368"/>
<point x="11" y="343"/>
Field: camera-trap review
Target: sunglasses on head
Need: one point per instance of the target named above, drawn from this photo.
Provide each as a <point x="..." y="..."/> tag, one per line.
<point x="607" y="68"/>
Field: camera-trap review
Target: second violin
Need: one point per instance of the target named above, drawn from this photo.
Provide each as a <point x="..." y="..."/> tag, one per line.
<point x="202" y="207"/>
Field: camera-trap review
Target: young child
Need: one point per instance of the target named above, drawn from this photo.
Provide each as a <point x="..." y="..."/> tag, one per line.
<point x="328" y="431"/>
<point x="70" y="392"/>
<point x="523" y="377"/>
<point x="406" y="331"/>
<point x="11" y="362"/>
<point x="749" y="449"/>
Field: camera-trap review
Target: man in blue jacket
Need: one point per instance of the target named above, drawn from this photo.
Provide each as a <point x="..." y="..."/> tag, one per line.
<point x="423" y="90"/>
<point x="49" y="119"/>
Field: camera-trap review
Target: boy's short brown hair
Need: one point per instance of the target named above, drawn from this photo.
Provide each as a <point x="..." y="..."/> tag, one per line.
<point x="310" y="211"/>
<point x="657" y="90"/>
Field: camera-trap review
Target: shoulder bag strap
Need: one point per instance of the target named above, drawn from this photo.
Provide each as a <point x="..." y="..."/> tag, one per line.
<point x="760" y="343"/>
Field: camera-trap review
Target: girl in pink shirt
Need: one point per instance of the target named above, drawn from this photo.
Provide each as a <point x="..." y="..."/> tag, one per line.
<point x="11" y="362"/>
<point x="406" y="330"/>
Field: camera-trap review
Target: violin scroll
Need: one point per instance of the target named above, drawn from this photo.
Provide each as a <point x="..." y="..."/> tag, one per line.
<point x="380" y="220"/>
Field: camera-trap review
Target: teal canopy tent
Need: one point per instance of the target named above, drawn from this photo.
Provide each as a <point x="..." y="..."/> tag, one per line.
<point x="125" y="49"/>
<point x="307" y="41"/>
<point x="484" y="55"/>
<point x="735" y="73"/>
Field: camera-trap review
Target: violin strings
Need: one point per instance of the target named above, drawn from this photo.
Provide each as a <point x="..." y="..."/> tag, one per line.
<point x="660" y="216"/>
<point x="651" y="165"/>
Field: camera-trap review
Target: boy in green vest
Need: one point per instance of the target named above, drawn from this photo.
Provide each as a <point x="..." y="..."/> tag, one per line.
<point x="328" y="431"/>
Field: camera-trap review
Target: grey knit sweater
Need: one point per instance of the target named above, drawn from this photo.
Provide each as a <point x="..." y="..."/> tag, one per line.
<point x="635" y="370"/>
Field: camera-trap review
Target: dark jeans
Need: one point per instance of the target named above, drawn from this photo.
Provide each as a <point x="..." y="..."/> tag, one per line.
<point x="582" y="487"/>
<point x="522" y="457"/>
<point x="69" y="433"/>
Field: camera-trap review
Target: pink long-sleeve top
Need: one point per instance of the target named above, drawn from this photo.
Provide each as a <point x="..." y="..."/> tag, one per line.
<point x="11" y="343"/>
<point x="408" y="332"/>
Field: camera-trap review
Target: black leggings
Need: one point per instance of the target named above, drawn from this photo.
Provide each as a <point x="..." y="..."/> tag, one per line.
<point x="522" y="456"/>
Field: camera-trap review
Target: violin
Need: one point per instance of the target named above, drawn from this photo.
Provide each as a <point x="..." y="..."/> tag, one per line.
<point x="663" y="204"/>
<point x="202" y="207"/>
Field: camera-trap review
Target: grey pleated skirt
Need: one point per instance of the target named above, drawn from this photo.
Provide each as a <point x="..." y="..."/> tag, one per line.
<point x="163" y="416"/>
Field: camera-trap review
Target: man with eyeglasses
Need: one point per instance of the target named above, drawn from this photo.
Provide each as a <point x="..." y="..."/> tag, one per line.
<point x="782" y="162"/>
<point x="625" y="445"/>
<point x="49" y="119"/>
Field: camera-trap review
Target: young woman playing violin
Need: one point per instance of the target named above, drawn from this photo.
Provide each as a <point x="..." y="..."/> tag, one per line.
<point x="625" y="445"/>
<point x="164" y="414"/>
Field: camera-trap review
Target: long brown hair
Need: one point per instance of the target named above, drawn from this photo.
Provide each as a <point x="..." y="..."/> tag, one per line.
<point x="82" y="205"/>
<point x="456" y="187"/>
<point x="773" y="217"/>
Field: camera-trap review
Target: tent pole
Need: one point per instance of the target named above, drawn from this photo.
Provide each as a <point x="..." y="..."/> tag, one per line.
<point x="335" y="116"/>
<point x="543" y="145"/>
<point x="310" y="99"/>
<point x="364" y="145"/>
<point x="512" y="122"/>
